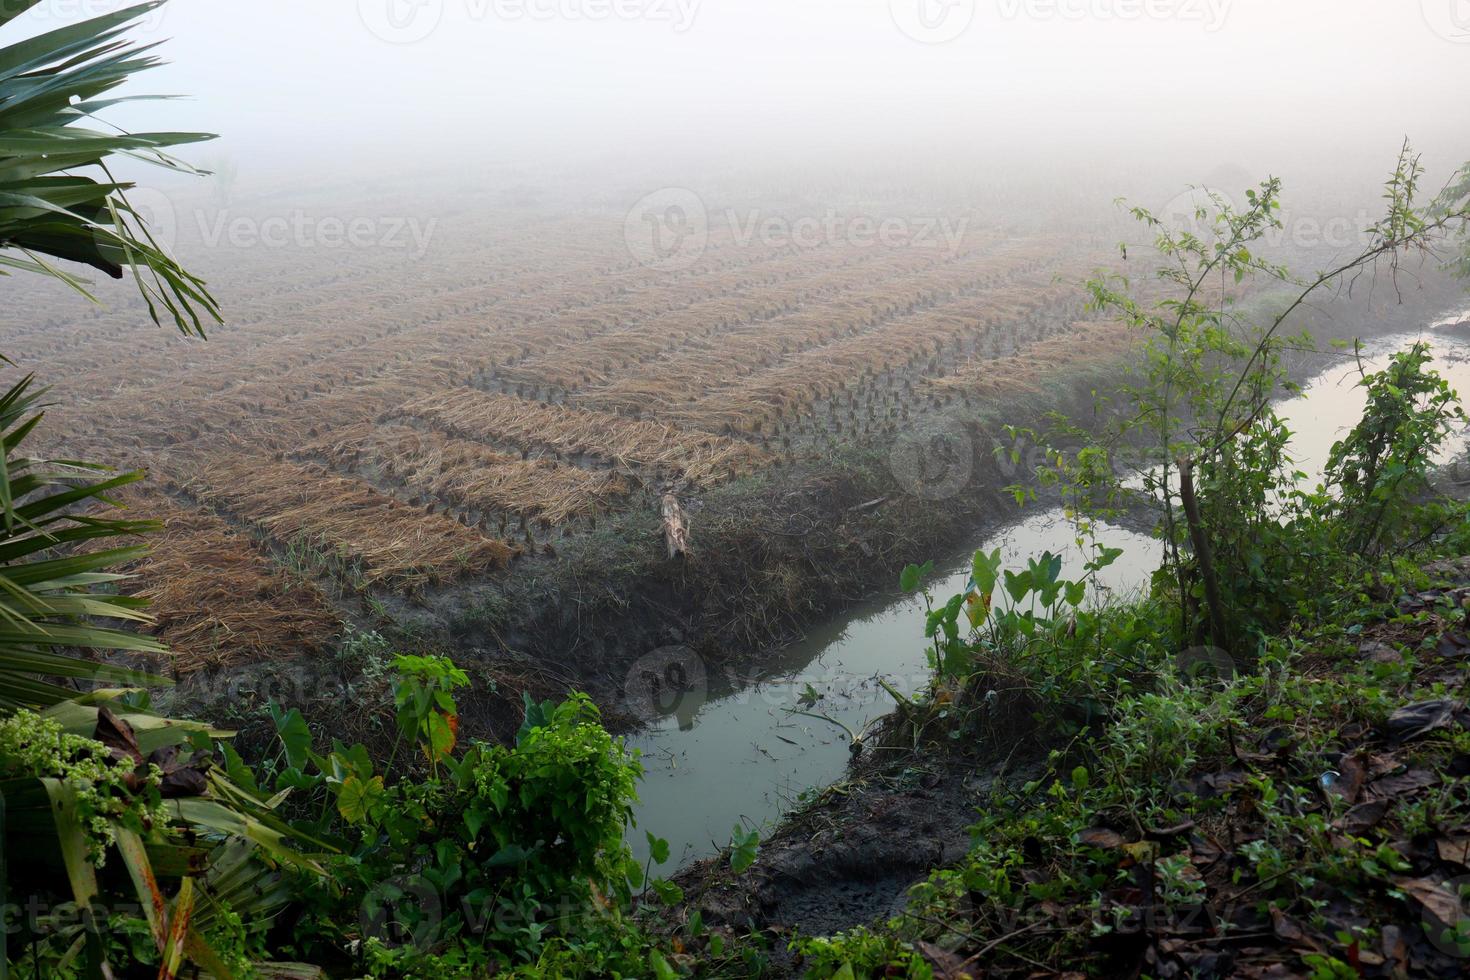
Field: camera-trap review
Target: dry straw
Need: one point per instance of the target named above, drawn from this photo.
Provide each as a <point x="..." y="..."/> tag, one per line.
<point x="216" y="598"/>
<point x="344" y="520"/>
<point x="1086" y="344"/>
<point x="699" y="456"/>
<point x="469" y="474"/>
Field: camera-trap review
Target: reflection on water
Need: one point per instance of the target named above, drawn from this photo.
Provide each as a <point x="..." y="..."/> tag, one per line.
<point x="1334" y="401"/>
<point x="729" y="751"/>
<point x="744" y="756"/>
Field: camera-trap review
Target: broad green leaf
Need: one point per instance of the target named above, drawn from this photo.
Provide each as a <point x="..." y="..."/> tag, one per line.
<point x="1018" y="584"/>
<point x="72" y="838"/>
<point x="661" y="968"/>
<point x="357" y="797"/>
<point x="178" y="931"/>
<point x="294" y="734"/>
<point x="658" y="848"/>
<point x="985" y="571"/>
<point x="145" y="885"/>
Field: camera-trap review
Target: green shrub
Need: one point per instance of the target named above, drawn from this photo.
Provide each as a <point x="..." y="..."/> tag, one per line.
<point x="488" y="858"/>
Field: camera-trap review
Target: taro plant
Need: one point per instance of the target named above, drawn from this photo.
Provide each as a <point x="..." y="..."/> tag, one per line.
<point x="424" y="699"/>
<point x="1036" y="604"/>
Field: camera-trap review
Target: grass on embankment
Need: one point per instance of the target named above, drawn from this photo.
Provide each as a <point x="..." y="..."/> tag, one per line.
<point x="1302" y="812"/>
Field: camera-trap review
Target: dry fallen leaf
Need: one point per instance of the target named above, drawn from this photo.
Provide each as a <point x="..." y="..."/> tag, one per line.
<point x="1415" y="720"/>
<point x="1437" y="900"/>
<point x="946" y="965"/>
<point x="1362" y="818"/>
<point x="1290" y="932"/>
<point x="1390" y="787"/>
<point x="1101" y="837"/>
<point x="1454" y="849"/>
<point x="1352" y="774"/>
<point x="1395" y="950"/>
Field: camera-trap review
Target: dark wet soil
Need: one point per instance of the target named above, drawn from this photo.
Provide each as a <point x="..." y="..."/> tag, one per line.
<point x="849" y="857"/>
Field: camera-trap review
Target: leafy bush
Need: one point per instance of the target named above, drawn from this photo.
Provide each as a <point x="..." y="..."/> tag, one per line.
<point x="494" y="856"/>
<point x="1380" y="471"/>
<point x="1243" y="538"/>
<point x="109" y="793"/>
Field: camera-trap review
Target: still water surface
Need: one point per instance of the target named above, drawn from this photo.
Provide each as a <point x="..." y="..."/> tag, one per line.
<point x="732" y="752"/>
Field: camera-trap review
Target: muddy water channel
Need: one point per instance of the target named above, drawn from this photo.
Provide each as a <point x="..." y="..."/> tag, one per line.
<point x="732" y="751"/>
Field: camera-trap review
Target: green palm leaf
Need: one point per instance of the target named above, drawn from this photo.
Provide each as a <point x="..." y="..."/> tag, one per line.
<point x="49" y="603"/>
<point x="50" y="92"/>
<point x="226" y="848"/>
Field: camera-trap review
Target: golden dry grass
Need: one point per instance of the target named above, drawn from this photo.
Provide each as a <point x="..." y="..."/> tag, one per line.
<point x="790" y="386"/>
<point x="469" y="474"/>
<point x="1027" y="371"/>
<point x="217" y="598"/>
<point x="347" y="520"/>
<point x="343" y="362"/>
<point x="699" y="456"/>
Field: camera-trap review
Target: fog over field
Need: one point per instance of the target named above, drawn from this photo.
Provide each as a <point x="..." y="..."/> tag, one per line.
<point x="734" y="488"/>
<point x="948" y="90"/>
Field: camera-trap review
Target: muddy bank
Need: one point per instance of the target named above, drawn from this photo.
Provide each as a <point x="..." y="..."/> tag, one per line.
<point x="775" y="553"/>
<point x="850" y="856"/>
<point x="772" y="554"/>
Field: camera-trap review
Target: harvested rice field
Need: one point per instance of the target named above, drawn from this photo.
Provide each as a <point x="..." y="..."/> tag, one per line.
<point x="527" y="443"/>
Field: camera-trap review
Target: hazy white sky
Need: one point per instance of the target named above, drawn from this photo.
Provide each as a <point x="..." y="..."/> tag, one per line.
<point x="299" y="85"/>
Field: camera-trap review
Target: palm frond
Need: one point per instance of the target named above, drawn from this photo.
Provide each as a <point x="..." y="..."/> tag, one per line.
<point x="50" y="603"/>
<point x="51" y="89"/>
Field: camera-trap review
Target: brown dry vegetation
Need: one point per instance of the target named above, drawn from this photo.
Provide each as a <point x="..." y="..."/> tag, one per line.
<point x="645" y="445"/>
<point x="1084" y="344"/>
<point x="937" y="335"/>
<point x="345" y="520"/>
<point x="216" y="598"/>
<point x="470" y="475"/>
<point x="382" y="423"/>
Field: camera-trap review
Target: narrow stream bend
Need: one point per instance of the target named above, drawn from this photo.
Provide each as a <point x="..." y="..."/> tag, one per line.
<point x="729" y="752"/>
